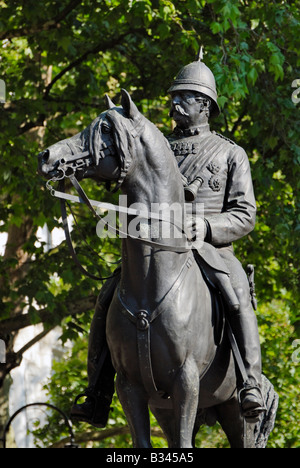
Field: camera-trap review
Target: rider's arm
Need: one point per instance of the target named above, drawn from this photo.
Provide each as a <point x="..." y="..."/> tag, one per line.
<point x="239" y="209"/>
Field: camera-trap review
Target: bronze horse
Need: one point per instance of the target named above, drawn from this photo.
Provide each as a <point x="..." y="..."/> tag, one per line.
<point x="167" y="345"/>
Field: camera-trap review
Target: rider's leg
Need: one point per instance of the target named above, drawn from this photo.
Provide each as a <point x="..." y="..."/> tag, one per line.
<point x="219" y="279"/>
<point x="100" y="390"/>
<point x="244" y="325"/>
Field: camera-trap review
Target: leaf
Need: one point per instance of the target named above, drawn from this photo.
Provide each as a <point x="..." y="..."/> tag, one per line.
<point x="277" y="70"/>
<point x="222" y="101"/>
<point x="216" y="27"/>
<point x="252" y="76"/>
<point x="254" y="23"/>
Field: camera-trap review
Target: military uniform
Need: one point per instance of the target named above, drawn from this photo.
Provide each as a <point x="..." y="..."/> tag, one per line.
<point x="226" y="191"/>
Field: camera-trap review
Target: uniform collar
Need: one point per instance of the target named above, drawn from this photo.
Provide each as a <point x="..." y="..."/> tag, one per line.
<point x="201" y="130"/>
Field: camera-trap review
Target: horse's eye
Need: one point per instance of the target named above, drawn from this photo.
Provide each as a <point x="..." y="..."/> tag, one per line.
<point x="106" y="128"/>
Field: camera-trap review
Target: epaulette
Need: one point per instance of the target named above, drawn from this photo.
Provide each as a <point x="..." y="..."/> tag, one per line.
<point x="224" y="137"/>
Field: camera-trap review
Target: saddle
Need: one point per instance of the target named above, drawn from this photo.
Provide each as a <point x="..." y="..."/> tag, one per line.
<point x="218" y="309"/>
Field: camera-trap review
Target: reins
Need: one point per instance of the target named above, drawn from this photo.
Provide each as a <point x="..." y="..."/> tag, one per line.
<point x="69" y="239"/>
<point x="83" y="160"/>
<point x="68" y="169"/>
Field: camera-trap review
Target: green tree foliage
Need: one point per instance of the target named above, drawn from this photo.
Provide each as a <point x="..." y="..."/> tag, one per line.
<point x="58" y="59"/>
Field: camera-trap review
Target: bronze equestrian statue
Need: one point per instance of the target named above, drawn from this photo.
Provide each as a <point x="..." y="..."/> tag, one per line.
<point x="158" y="321"/>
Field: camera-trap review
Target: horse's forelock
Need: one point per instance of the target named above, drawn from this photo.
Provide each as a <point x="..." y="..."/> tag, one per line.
<point x="124" y="130"/>
<point x="95" y="136"/>
<point x="123" y="133"/>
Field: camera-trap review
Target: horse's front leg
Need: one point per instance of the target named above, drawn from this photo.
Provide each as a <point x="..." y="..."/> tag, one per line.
<point x="135" y="405"/>
<point x="185" y="402"/>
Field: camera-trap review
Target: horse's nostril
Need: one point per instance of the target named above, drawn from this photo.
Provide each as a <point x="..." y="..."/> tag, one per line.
<point x="44" y="156"/>
<point x="43" y="159"/>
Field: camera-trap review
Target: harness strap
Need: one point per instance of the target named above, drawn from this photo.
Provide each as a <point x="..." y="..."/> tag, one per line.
<point x="90" y="204"/>
<point x="236" y="353"/>
<point x="246" y="385"/>
<point x="143" y="320"/>
<point x="70" y="243"/>
<point x="144" y="351"/>
<point x="84" y="199"/>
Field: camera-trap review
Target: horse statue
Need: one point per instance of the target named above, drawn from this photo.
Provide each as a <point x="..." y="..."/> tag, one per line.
<point x="165" y="335"/>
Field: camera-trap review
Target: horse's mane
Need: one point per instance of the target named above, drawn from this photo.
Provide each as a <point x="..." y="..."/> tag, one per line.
<point x="123" y="135"/>
<point x="127" y="132"/>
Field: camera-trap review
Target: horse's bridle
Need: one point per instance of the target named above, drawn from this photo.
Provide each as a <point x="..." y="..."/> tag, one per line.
<point x="84" y="160"/>
<point x="67" y="170"/>
<point x="77" y="162"/>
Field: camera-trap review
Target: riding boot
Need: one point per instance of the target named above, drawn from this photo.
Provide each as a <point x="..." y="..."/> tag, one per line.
<point x="99" y="393"/>
<point x="244" y="326"/>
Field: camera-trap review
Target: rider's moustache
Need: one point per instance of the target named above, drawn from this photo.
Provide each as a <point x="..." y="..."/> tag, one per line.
<point x="179" y="110"/>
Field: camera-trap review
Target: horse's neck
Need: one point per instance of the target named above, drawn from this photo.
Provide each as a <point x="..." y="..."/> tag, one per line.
<point x="148" y="272"/>
<point x="155" y="177"/>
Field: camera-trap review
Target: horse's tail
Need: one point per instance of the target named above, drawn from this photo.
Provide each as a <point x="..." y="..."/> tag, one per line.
<point x="266" y="422"/>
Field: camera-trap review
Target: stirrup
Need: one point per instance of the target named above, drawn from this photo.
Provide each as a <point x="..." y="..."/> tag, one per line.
<point x="88" y="393"/>
<point x="98" y="415"/>
<point x="251" y="415"/>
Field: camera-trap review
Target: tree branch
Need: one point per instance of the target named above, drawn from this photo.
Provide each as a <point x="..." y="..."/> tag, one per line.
<point x="36" y="339"/>
<point x="20" y="321"/>
<point x="98" y="436"/>
<point x="14" y="360"/>
<point x="50" y="24"/>
<point x="99" y="47"/>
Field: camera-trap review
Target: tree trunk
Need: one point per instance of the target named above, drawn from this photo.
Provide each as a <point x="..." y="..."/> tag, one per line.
<point x="17" y="238"/>
<point x="4" y="413"/>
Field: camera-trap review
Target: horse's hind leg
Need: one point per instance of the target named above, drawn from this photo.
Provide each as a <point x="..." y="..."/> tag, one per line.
<point x="238" y="432"/>
<point x="135" y="406"/>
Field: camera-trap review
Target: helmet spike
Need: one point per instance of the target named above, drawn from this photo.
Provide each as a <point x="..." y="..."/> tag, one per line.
<point x="200" y="54"/>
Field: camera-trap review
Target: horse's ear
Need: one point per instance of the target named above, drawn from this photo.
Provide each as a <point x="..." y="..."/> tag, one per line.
<point x="128" y="105"/>
<point x="108" y="102"/>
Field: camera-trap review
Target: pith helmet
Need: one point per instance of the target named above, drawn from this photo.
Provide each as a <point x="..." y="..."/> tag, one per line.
<point x="196" y="76"/>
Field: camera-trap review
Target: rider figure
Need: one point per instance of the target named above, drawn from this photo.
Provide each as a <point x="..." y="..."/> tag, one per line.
<point x="220" y="171"/>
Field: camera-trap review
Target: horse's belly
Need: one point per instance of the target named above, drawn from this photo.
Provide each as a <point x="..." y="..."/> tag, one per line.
<point x="219" y="383"/>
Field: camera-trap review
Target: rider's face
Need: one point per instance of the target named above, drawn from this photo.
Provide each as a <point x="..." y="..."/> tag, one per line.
<point x="186" y="108"/>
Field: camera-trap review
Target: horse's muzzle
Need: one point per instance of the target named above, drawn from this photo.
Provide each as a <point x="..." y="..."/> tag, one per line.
<point x="44" y="169"/>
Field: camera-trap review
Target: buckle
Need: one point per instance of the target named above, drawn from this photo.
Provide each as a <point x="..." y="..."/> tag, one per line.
<point x="142" y="320"/>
